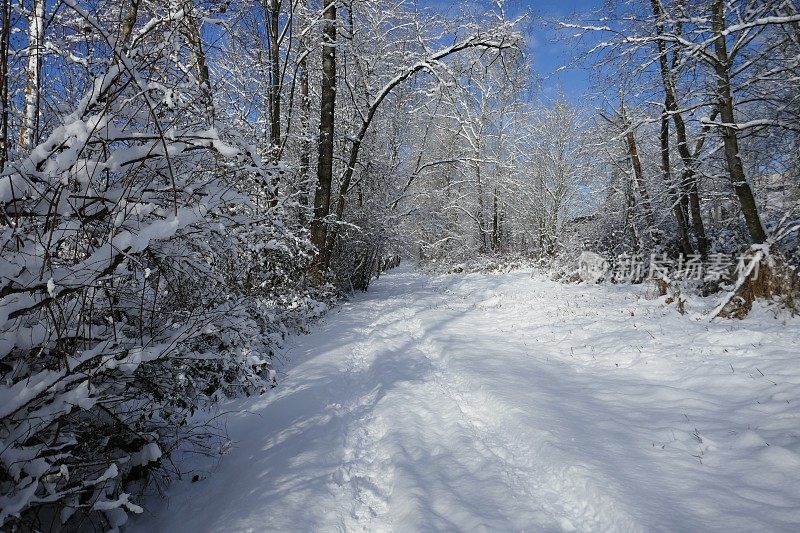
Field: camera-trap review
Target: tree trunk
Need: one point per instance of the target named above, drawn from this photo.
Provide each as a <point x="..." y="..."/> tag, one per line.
<point x="495" y="223"/>
<point x="638" y="174"/>
<point x="322" y="195"/>
<point x="673" y="195"/>
<point x="5" y="42"/>
<point x="30" y="121"/>
<point x="689" y="178"/>
<point x="195" y="41"/>
<point x="273" y="8"/>
<point x="480" y="215"/>
<point x="629" y="224"/>
<point x="729" y="135"/>
<point x="129" y="22"/>
<point x="305" y="143"/>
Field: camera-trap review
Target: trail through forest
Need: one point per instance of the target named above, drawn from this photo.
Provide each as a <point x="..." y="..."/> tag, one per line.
<point x="506" y="402"/>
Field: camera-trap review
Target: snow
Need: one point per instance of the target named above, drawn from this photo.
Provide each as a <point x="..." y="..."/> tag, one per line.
<point x="150" y="452"/>
<point x="508" y="402"/>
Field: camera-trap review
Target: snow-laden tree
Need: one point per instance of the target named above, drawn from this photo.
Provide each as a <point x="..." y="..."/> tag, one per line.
<point x="401" y="47"/>
<point x="719" y="78"/>
<point x="146" y="269"/>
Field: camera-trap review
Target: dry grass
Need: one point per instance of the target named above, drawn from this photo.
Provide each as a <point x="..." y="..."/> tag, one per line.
<point x="776" y="280"/>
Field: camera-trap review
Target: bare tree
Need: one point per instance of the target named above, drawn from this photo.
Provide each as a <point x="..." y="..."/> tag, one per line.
<point x="722" y="66"/>
<point x="689" y="178"/>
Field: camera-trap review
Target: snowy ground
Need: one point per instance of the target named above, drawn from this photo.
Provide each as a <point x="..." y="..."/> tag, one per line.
<point x="501" y="402"/>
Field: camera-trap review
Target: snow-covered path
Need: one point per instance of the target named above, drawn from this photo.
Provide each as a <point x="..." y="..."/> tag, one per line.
<point x="501" y="402"/>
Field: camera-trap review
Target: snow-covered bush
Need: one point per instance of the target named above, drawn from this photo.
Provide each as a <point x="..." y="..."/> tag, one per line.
<point x="145" y="272"/>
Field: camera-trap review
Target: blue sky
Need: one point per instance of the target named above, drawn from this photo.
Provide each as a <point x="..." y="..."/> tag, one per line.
<point x="549" y="53"/>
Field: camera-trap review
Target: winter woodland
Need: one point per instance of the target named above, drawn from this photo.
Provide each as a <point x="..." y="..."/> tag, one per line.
<point x="186" y="184"/>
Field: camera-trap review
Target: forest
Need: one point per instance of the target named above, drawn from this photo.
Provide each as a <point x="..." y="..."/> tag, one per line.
<point x="186" y="184"/>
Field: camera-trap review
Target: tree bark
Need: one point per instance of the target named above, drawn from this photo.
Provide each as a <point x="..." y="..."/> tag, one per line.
<point x="194" y="39"/>
<point x="5" y="46"/>
<point x="322" y="195"/>
<point x="495" y="223"/>
<point x="673" y="195"/>
<point x="729" y="136"/>
<point x="689" y="177"/>
<point x="638" y="174"/>
<point x="273" y="8"/>
<point x="129" y="22"/>
<point x="305" y="143"/>
<point x="480" y="215"/>
<point x="28" y="132"/>
<point x="628" y="224"/>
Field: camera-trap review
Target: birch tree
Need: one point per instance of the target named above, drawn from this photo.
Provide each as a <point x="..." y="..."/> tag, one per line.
<point x="28" y="132"/>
